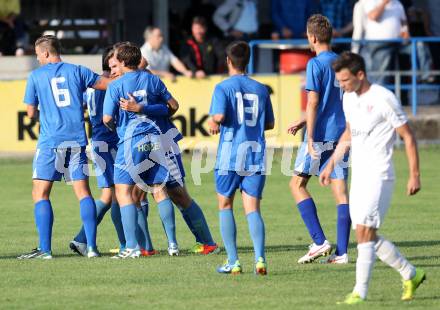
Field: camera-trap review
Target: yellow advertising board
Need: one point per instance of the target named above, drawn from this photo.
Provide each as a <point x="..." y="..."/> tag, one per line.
<point x="19" y="134"/>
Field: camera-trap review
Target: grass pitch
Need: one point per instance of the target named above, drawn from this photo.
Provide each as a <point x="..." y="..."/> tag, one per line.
<point x="189" y="281"/>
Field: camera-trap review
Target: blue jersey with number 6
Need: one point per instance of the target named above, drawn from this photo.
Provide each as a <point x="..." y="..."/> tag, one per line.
<point x="57" y="90"/>
<point x="247" y="108"/>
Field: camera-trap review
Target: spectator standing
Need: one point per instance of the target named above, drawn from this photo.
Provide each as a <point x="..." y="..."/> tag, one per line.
<point x="159" y="56"/>
<point x="200" y="53"/>
<point x="237" y="19"/>
<point x="290" y="17"/>
<point x="340" y="14"/>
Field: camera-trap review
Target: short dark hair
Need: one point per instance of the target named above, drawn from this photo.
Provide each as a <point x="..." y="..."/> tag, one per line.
<point x="51" y="43"/>
<point x="200" y="20"/>
<point x="239" y="54"/>
<point x="106" y="55"/>
<point x="320" y="27"/>
<point x="129" y="53"/>
<point x="350" y="61"/>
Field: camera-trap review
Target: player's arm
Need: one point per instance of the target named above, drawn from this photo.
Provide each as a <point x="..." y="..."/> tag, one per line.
<point x="311" y="114"/>
<point x="214" y="123"/>
<point x="110" y="108"/>
<point x="377" y="12"/>
<point x="131" y="105"/>
<point x="269" y="121"/>
<point x="412" y="154"/>
<point x="217" y="111"/>
<point x="32" y="112"/>
<point x="102" y="82"/>
<point x="342" y="148"/>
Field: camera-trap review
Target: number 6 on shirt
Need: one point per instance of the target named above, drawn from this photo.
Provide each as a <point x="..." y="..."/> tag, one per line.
<point x="61" y="95"/>
<point x="253" y="109"/>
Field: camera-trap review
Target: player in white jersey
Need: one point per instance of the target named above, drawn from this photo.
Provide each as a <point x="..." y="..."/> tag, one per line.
<point x="374" y="116"/>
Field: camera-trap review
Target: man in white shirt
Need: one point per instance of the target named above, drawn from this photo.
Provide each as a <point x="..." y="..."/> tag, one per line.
<point x="386" y="19"/>
<point x="159" y="56"/>
<point x="374" y="116"/>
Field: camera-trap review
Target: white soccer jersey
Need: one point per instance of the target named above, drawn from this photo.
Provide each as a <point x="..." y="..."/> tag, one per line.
<point x="373" y="118"/>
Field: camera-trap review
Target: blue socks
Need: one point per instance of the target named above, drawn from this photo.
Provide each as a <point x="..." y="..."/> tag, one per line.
<point x="142" y="233"/>
<point x="129" y="222"/>
<point x="343" y="229"/>
<point x="197" y="223"/>
<point x="307" y="209"/>
<point x="228" y="231"/>
<point x="101" y="210"/>
<point x="44" y="220"/>
<point x="117" y="222"/>
<point x="88" y="216"/>
<point x="166" y="213"/>
<point x="256" y="230"/>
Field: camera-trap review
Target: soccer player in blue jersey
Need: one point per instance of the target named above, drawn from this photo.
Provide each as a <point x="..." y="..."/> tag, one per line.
<point x="54" y="91"/>
<point x="140" y="156"/>
<point x="240" y="111"/>
<point x="191" y="212"/>
<point x="104" y="146"/>
<point x="324" y="123"/>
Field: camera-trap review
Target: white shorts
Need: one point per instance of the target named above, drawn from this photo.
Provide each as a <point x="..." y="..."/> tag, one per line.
<point x="369" y="201"/>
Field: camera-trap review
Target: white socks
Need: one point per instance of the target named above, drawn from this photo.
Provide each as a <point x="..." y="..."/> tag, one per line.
<point x="390" y="255"/>
<point x="364" y="266"/>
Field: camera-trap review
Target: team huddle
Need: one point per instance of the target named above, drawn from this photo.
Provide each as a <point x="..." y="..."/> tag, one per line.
<point x="135" y="152"/>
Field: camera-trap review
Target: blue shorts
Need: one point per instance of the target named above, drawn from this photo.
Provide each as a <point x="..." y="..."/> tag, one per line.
<point x="227" y="182"/>
<point x="103" y="157"/>
<point x="177" y="172"/>
<point x="53" y="164"/>
<point x="140" y="160"/>
<point x="306" y="166"/>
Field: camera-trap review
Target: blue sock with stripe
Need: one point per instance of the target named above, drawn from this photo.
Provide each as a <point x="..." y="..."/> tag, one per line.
<point x="101" y="210"/>
<point x="142" y="232"/>
<point x="228" y="231"/>
<point x="343" y="229"/>
<point x="87" y="210"/>
<point x="117" y="222"/>
<point x="129" y="222"/>
<point x="44" y="219"/>
<point x="198" y="223"/>
<point x="308" y="212"/>
<point x="257" y="232"/>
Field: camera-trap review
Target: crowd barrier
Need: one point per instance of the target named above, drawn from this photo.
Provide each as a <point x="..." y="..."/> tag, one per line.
<point x="414" y="73"/>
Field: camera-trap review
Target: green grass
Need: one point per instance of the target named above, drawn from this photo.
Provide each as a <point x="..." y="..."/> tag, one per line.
<point x="188" y="281"/>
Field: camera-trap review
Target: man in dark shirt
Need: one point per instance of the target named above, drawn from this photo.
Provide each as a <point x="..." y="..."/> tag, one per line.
<point x="200" y="53"/>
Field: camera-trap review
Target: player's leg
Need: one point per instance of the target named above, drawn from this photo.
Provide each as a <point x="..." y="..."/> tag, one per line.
<point x="128" y="219"/>
<point x="227" y="183"/>
<point x="45" y="171"/>
<point x="308" y="212"/>
<point x="388" y="253"/>
<point x="142" y="232"/>
<point x="343" y="222"/>
<point x="115" y="213"/>
<point x="88" y="214"/>
<point x="194" y="217"/>
<point x="79" y="243"/>
<point x="166" y="213"/>
<point x="43" y="219"/>
<point x="251" y="192"/>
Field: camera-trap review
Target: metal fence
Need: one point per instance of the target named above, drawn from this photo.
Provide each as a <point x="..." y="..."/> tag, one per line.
<point x="414" y="73"/>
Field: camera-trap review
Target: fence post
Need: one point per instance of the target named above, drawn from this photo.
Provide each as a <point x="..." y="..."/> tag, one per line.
<point x="251" y="59"/>
<point x="414" y="76"/>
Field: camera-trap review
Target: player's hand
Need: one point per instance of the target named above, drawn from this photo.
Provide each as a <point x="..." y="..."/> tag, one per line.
<point x="413" y="186"/>
<point x="130" y="104"/>
<point x="296" y="126"/>
<point x="324" y="177"/>
<point x="311" y="150"/>
<point x="200" y="74"/>
<point x="214" y="128"/>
